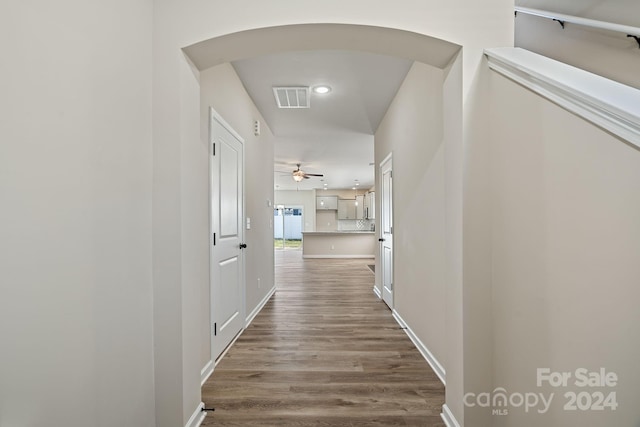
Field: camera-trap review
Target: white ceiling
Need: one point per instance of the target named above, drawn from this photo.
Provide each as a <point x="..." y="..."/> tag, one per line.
<point x="335" y="136"/>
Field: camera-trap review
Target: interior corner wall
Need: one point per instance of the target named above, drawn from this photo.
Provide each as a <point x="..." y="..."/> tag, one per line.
<point x="304" y="198"/>
<point x="565" y="241"/>
<point x="608" y="54"/>
<point x="412" y="130"/>
<point x="194" y="227"/>
<point x="75" y="237"/>
<point x="477" y="262"/>
<point x="455" y="117"/>
<point x="167" y="241"/>
<point x="222" y="89"/>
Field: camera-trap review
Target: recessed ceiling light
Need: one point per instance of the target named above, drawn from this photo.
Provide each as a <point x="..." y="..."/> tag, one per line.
<point x="322" y="89"/>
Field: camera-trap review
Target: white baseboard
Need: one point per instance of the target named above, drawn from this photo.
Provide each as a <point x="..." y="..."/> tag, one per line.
<point x="259" y="307"/>
<point x="448" y="418"/>
<point x="377" y="292"/>
<point x="206" y="372"/>
<point x="339" y="256"/>
<point x="197" y="417"/>
<point x="429" y="357"/>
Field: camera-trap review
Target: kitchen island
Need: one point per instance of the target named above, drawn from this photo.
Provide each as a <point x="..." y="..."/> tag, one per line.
<point x="339" y="244"/>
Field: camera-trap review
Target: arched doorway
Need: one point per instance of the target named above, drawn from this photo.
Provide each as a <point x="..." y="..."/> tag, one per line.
<point x="434" y="52"/>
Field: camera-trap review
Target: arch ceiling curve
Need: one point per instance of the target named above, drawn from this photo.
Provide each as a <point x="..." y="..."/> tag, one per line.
<point x="300" y="37"/>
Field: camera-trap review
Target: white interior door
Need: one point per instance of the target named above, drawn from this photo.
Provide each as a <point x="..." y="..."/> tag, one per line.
<point x="386" y="231"/>
<point x="227" y="261"/>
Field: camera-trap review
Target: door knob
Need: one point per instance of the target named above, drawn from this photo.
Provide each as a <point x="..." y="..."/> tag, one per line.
<point x="381" y="240"/>
<point x="243" y="245"/>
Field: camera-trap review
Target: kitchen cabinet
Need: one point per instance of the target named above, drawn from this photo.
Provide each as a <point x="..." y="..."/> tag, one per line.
<point x="370" y="205"/>
<point x="360" y="207"/>
<point x="346" y="209"/>
<point x="365" y="206"/>
<point x="326" y="203"/>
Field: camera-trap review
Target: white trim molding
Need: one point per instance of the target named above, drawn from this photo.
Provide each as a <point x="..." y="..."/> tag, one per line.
<point x="608" y="104"/>
<point x="429" y="357"/>
<point x="259" y="307"/>
<point x="448" y="418"/>
<point x="206" y="372"/>
<point x="592" y="23"/>
<point x="377" y="292"/>
<point x="197" y="417"/>
<point x="213" y="115"/>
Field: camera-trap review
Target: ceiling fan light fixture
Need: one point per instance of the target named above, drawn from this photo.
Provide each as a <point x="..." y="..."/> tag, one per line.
<point x="298" y="174"/>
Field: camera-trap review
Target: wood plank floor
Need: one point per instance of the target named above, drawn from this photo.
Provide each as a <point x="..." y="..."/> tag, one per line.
<point x="323" y="352"/>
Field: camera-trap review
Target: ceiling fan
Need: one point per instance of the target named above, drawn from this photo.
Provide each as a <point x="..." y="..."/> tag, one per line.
<point x="298" y="174"/>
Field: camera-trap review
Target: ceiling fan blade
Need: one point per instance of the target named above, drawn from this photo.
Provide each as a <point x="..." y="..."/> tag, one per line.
<point x="306" y="177"/>
<point x="313" y="174"/>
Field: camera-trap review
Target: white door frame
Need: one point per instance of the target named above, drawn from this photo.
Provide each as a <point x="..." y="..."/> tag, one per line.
<point x="241" y="230"/>
<point x="284" y="207"/>
<point x="386" y="230"/>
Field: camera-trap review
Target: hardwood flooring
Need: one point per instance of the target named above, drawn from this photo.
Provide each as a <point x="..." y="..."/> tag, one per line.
<point x="324" y="351"/>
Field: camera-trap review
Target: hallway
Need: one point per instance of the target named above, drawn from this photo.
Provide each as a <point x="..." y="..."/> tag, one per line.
<point x="323" y="352"/>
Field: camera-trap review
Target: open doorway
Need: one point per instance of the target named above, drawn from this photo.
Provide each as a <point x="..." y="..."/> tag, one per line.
<point x="434" y="88"/>
<point x="287" y="228"/>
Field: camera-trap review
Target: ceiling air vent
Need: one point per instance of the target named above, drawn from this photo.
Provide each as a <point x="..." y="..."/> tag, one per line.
<point x="292" y="97"/>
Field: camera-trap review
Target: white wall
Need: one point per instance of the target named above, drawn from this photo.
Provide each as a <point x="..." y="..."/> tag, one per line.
<point x="565" y="240"/>
<point x="412" y="130"/>
<point x="222" y="89"/>
<point x="326" y="220"/>
<point x="609" y="54"/>
<point x="75" y="222"/>
<point x="304" y="198"/>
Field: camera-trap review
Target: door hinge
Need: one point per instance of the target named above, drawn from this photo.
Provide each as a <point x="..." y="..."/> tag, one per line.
<point x="214" y="239"/>
<point x="391" y="231"/>
<point x="215" y="329"/>
<point x="214" y="148"/>
<point x="391" y="174"/>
